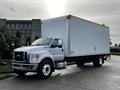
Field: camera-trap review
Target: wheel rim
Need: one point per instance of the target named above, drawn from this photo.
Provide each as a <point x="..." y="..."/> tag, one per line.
<point x="46" y="69"/>
<point x="100" y="61"/>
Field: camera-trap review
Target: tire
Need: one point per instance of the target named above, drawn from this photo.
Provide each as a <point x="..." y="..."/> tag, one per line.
<point x="20" y="73"/>
<point x="45" y="69"/>
<point x="98" y="62"/>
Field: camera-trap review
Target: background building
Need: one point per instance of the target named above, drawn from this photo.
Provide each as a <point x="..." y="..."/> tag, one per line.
<point x="26" y="30"/>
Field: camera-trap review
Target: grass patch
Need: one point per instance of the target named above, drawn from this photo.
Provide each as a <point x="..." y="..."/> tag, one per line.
<point x="5" y="69"/>
<point x="4" y="66"/>
<point x="115" y="53"/>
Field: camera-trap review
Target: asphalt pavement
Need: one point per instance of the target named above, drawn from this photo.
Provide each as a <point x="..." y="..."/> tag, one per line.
<point x="73" y="78"/>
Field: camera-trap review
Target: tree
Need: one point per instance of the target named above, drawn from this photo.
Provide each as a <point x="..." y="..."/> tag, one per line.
<point x="18" y="34"/>
<point x="36" y="37"/>
<point x="28" y="41"/>
<point x="6" y="44"/>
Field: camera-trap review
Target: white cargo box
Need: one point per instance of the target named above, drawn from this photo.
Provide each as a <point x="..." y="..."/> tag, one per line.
<point x="81" y="37"/>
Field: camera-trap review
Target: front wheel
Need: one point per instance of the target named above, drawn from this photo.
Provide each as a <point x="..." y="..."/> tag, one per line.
<point x="45" y="69"/>
<point x="98" y="62"/>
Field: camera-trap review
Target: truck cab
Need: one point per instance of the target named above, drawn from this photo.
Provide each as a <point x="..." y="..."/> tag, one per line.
<point x="43" y="56"/>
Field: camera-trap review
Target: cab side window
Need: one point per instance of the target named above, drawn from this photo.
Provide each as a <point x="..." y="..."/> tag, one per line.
<point x="55" y="42"/>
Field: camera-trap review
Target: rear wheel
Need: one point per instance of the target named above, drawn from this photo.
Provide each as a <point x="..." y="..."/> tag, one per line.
<point x="98" y="62"/>
<point x="45" y="69"/>
<point x="19" y="72"/>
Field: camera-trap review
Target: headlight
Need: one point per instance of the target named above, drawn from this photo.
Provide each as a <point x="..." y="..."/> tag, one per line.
<point x="34" y="57"/>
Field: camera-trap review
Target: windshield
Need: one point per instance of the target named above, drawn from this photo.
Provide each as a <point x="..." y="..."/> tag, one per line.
<point x="42" y="42"/>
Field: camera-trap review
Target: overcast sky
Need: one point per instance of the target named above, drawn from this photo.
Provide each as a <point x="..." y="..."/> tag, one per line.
<point x="100" y="11"/>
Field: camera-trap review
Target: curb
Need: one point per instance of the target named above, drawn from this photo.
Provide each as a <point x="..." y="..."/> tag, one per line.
<point x="6" y="75"/>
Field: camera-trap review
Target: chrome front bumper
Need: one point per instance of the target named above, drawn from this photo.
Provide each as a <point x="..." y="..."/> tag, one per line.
<point x="24" y="67"/>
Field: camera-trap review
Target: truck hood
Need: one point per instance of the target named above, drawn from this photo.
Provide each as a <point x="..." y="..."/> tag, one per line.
<point x="30" y="49"/>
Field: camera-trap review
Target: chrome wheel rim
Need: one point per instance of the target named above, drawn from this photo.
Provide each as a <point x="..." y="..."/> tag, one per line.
<point x="46" y="69"/>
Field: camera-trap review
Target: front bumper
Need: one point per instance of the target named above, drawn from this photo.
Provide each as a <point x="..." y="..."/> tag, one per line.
<point x="24" y="66"/>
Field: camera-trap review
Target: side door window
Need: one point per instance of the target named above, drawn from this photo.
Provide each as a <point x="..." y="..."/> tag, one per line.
<point x="55" y="43"/>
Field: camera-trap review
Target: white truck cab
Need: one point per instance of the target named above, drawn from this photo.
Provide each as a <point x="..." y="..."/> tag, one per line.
<point x="69" y="39"/>
<point x="47" y="53"/>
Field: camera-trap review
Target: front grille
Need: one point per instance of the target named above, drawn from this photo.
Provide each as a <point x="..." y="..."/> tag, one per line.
<point x="20" y="56"/>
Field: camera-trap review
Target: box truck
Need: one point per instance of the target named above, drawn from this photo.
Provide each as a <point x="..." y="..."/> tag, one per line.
<point x="64" y="39"/>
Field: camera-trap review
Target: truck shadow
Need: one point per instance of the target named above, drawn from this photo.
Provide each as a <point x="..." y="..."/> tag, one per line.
<point x="28" y="77"/>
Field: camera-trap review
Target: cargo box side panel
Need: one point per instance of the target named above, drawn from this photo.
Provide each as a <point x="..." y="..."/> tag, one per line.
<point x="87" y="38"/>
<point x="56" y="28"/>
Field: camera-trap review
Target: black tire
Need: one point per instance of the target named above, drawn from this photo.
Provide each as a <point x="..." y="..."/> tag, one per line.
<point x="45" y="69"/>
<point x="19" y="72"/>
<point x="98" y="62"/>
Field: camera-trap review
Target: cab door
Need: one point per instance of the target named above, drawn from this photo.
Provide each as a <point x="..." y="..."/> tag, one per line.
<point x="57" y="50"/>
